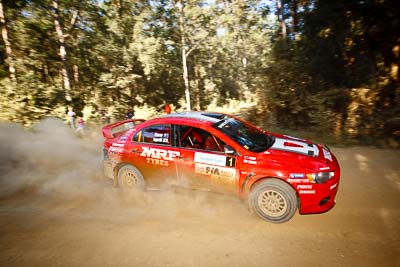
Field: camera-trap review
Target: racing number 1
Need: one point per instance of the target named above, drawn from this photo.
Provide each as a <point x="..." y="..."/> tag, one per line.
<point x="230" y="162"/>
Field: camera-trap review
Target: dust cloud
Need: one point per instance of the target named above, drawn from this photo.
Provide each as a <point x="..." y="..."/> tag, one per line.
<point x="49" y="158"/>
<point x="61" y="169"/>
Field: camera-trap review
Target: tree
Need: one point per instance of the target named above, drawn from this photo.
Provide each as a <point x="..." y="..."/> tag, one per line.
<point x="281" y="18"/>
<point x="194" y="31"/>
<point x="63" y="53"/>
<point x="184" y="53"/>
<point x="7" y="43"/>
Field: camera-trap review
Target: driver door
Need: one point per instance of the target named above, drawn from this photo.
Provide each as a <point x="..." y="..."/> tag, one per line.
<point x="203" y="164"/>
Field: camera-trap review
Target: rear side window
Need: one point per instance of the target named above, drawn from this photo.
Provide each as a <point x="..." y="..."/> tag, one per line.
<point x="156" y="134"/>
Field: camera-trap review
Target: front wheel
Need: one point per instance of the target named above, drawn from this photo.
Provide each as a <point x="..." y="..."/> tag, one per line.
<point x="273" y="200"/>
<point x="130" y="177"/>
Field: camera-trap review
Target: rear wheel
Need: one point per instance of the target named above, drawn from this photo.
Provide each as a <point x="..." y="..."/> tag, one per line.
<point x="273" y="200"/>
<point x="130" y="177"/>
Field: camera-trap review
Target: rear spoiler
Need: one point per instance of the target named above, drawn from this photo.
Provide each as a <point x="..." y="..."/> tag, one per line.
<point x="110" y="130"/>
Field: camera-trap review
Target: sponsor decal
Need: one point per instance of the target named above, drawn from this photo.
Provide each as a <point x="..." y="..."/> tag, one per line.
<point x="327" y="154"/>
<point x="307" y="192"/>
<point x="306" y="189"/>
<point x="296" y="146"/>
<point x="116" y="144"/>
<point x="160" y="162"/>
<point x="298" y="180"/>
<point x="250" y="160"/>
<point x="297" y="175"/>
<point x="213" y="159"/>
<point x="305" y="186"/>
<point x="159" y="156"/>
<point x="161" y="138"/>
<point x="215" y="171"/>
<point x="333" y="186"/>
<point x="115" y="149"/>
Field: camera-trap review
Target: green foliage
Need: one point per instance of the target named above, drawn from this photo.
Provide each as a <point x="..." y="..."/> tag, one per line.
<point x="333" y="70"/>
<point x="27" y="101"/>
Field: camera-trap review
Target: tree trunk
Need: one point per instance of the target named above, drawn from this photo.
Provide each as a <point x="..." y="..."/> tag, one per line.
<point x="45" y="72"/>
<point x="76" y="75"/>
<point x="197" y="86"/>
<point x="63" y="52"/>
<point x="184" y="55"/>
<point x="281" y="18"/>
<point x="293" y="13"/>
<point x="7" y="44"/>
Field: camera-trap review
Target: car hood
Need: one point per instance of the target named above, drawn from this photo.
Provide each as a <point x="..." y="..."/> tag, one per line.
<point x="292" y="151"/>
<point x="295" y="145"/>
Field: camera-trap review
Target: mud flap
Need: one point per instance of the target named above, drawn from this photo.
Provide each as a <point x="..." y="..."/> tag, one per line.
<point x="108" y="169"/>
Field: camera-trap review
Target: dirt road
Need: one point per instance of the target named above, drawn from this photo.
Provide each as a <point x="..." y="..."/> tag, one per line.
<point x="56" y="210"/>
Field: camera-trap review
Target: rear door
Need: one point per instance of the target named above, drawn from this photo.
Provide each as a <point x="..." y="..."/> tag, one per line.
<point x="150" y="150"/>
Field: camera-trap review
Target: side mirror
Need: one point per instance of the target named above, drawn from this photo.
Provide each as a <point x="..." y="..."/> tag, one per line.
<point x="229" y="150"/>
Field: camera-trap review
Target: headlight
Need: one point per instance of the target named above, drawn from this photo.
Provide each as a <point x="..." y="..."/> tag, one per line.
<point x="320" y="177"/>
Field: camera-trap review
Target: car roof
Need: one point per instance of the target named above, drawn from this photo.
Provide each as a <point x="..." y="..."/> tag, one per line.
<point x="211" y="117"/>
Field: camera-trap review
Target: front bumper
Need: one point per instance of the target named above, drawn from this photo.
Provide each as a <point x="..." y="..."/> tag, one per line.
<point x="323" y="200"/>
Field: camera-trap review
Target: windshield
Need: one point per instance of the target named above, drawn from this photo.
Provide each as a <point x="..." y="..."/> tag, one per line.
<point x="249" y="137"/>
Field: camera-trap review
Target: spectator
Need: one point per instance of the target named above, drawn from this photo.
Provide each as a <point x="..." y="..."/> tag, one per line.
<point x="167" y="109"/>
<point x="71" y="115"/>
<point x="130" y="114"/>
<point x="81" y="126"/>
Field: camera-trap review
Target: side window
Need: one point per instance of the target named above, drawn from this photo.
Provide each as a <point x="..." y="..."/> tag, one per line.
<point x="156" y="134"/>
<point x="192" y="137"/>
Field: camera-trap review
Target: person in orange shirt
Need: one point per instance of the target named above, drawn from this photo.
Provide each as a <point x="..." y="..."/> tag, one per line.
<point x="167" y="109"/>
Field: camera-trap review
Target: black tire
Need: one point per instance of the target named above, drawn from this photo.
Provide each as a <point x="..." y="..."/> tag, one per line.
<point x="130" y="177"/>
<point x="273" y="200"/>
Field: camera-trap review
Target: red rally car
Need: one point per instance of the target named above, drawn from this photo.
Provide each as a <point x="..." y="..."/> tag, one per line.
<point x="278" y="174"/>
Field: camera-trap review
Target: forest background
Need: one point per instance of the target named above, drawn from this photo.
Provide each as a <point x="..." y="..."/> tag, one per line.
<point x="330" y="67"/>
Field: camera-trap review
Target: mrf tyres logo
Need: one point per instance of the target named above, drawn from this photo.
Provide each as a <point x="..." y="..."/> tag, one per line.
<point x="159" y="156"/>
